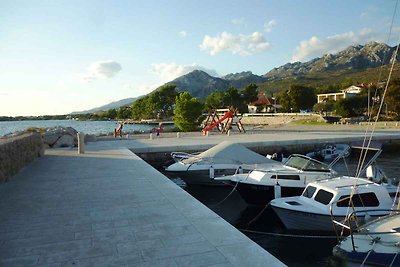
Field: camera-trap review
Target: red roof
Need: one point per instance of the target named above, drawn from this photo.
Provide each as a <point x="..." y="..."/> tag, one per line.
<point x="262" y="100"/>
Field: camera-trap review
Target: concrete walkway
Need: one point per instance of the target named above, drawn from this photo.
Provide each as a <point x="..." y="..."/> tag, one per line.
<point x="108" y="207"/>
<point x="194" y="141"/>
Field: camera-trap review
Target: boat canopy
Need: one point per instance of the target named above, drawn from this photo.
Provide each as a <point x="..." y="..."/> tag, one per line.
<point x="228" y="152"/>
<point x="304" y="163"/>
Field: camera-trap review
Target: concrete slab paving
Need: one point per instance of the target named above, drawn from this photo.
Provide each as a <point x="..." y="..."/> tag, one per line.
<point x="108" y="207"/>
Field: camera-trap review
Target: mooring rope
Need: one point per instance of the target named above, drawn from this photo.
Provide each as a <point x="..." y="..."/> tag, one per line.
<point x="287" y="235"/>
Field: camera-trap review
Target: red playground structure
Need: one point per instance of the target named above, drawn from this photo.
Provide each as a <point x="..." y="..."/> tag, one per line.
<point x="224" y="123"/>
<point x="158" y="130"/>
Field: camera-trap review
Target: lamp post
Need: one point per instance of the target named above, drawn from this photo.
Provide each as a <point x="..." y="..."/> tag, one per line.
<point x="273" y="98"/>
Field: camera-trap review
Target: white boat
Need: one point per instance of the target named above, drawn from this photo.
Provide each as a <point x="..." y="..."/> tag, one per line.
<point x="374" y="244"/>
<point x="333" y="199"/>
<point x="330" y="152"/>
<point x="265" y="183"/>
<point x="226" y="158"/>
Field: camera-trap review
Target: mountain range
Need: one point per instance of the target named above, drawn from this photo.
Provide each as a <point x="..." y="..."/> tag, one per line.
<point x="115" y="104"/>
<point x="353" y="60"/>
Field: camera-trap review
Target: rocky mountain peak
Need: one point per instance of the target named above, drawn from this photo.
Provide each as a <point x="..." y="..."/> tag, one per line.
<point x="357" y="57"/>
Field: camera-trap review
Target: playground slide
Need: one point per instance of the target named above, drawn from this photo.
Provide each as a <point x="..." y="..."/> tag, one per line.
<point x="210" y="127"/>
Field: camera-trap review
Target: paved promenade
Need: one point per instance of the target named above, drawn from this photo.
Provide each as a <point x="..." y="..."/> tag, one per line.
<point x="195" y="141"/>
<point x="108" y="207"/>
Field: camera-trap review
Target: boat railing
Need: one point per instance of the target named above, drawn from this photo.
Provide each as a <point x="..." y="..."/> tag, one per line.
<point x="179" y="156"/>
<point x="351" y="221"/>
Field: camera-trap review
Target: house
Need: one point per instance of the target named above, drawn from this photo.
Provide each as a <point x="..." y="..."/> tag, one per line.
<point x="346" y="93"/>
<point x="262" y="104"/>
<point x="349" y="92"/>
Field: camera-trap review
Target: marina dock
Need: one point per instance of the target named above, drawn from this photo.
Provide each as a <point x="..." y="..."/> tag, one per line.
<point x="108" y="207"/>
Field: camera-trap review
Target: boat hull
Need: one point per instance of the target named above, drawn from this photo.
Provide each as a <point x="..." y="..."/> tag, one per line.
<point x="298" y="220"/>
<point x="373" y="259"/>
<point x="202" y="177"/>
<point x="263" y="194"/>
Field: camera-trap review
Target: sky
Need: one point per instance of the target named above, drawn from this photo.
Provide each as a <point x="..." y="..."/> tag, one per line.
<point x="57" y="57"/>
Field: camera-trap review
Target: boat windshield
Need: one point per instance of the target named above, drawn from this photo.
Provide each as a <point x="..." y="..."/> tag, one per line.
<point x="306" y="164"/>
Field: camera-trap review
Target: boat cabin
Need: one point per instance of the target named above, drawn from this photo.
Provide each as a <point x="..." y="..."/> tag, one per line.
<point x="343" y="192"/>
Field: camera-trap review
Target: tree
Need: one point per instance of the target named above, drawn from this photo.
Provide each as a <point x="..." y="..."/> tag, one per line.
<point x="111" y="113"/>
<point x="392" y="98"/>
<point x="166" y="99"/>
<point x="298" y="97"/>
<point x="158" y="104"/>
<point x="284" y="100"/>
<point x="214" y="100"/>
<point x="233" y="98"/>
<point x="352" y="106"/>
<point x="187" y="112"/>
<point x="124" y="112"/>
<point x="250" y="93"/>
<point x="142" y="108"/>
<point x="325" y="106"/>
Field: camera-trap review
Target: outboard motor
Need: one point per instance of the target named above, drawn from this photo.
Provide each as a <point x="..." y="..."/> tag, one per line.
<point x="375" y="174"/>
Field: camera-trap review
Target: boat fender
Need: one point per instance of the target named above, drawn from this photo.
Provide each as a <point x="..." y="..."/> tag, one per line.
<point x="277" y="190"/>
<point x="212" y="174"/>
<point x="240" y="169"/>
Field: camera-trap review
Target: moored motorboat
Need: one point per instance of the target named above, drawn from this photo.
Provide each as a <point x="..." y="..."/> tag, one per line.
<point x="265" y="183"/>
<point x="333" y="199"/>
<point x="226" y="158"/>
<point x="330" y="152"/>
<point x="376" y="243"/>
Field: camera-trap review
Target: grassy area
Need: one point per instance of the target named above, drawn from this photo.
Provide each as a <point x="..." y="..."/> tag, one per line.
<point x="309" y="122"/>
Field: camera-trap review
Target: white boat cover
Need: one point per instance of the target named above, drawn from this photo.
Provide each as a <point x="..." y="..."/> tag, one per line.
<point x="228" y="152"/>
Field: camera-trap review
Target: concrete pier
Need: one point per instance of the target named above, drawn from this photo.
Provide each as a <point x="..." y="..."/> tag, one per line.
<point x="108" y="207"/>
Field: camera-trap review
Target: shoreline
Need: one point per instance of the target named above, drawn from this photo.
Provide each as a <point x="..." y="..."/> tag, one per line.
<point x="261" y="129"/>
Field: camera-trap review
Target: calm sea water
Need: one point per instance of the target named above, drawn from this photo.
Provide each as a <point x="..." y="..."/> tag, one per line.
<point x="293" y="251"/>
<point x="90" y="127"/>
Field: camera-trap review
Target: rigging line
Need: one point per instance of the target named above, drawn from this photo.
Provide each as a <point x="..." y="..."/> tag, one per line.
<point x="396" y="197"/>
<point x="359" y="167"/>
<point x="385" y="55"/>
<point x="384" y="95"/>
<point x="382" y="101"/>
<point x="395" y="256"/>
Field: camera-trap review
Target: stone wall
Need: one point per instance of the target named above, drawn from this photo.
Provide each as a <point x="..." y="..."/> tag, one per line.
<point x="273" y="119"/>
<point x="17" y="151"/>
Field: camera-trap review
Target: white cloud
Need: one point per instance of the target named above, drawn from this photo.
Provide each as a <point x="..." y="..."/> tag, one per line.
<point x="243" y="45"/>
<point x="167" y="72"/>
<point x="238" y="21"/>
<point x="269" y="25"/>
<point x="316" y="47"/>
<point x="183" y="34"/>
<point x="102" y="70"/>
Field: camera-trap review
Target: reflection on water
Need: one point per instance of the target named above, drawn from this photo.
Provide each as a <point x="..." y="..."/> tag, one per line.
<point x="293" y="251"/>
